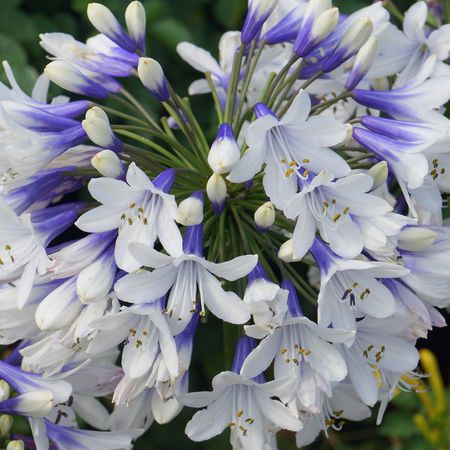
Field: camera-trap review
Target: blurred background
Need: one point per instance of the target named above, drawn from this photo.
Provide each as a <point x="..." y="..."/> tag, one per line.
<point x="414" y="421"/>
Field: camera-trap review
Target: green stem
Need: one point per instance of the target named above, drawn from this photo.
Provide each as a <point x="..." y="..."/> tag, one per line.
<point x="280" y="77"/>
<point x="130" y="97"/>
<point x="215" y="96"/>
<point x="234" y="81"/>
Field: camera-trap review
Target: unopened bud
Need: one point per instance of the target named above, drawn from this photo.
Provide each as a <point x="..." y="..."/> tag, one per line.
<point x="95" y="281"/>
<point x="414" y="239"/>
<point x="152" y="77"/>
<point x="135" y="19"/>
<point x="286" y="252"/>
<point x="15" y="445"/>
<point x="108" y="164"/>
<point x="224" y="153"/>
<point x="363" y="62"/>
<point x="105" y="22"/>
<point x="97" y="127"/>
<point x="6" y="423"/>
<point x="354" y="38"/>
<point x="34" y="403"/>
<point x="379" y="172"/>
<point x="60" y="307"/>
<point x="258" y="12"/>
<point x="5" y="390"/>
<point x="265" y="216"/>
<point x="325" y="24"/>
<point x="190" y="210"/>
<point x="68" y="77"/>
<point x="216" y="189"/>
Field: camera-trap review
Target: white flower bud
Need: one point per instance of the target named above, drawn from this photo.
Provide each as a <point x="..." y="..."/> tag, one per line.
<point x="135" y="19"/>
<point x="6" y="423"/>
<point x="5" y="390"/>
<point x="379" y="172"/>
<point x="414" y="239"/>
<point x="363" y="62"/>
<point x="95" y="281"/>
<point x="152" y="77"/>
<point x="216" y="189"/>
<point x="357" y="35"/>
<point x="265" y="216"/>
<point x="15" y="445"/>
<point x="190" y="210"/>
<point x="34" y="403"/>
<point x="97" y="127"/>
<point x="316" y="7"/>
<point x="108" y="164"/>
<point x="325" y="24"/>
<point x="105" y="22"/>
<point x="224" y="153"/>
<point x="59" y="308"/>
<point x="69" y="77"/>
<point x="286" y="252"/>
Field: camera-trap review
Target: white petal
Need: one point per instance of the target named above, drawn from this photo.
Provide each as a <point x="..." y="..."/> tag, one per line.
<point x="146" y="286"/>
<point x="234" y="269"/>
<point x="224" y="305"/>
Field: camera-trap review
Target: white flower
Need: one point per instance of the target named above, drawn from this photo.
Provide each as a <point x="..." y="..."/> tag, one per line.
<point x="185" y="275"/>
<point x="244" y="406"/>
<point x="141" y="210"/>
<point x="333" y="207"/>
<point x="349" y="288"/>
<point x="286" y="145"/>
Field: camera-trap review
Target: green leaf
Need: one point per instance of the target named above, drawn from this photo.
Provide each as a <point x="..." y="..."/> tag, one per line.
<point x="398" y="424"/>
<point x="12" y="51"/>
<point x="230" y="13"/>
<point x="18" y="26"/>
<point x="170" y="32"/>
<point x="10" y="4"/>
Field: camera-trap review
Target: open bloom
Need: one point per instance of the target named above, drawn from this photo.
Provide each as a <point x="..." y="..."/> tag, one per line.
<point x="349" y="289"/>
<point x="246" y="406"/>
<point x="140" y="209"/>
<point x="185" y="273"/>
<point x="334" y="208"/>
<point x="287" y="145"/>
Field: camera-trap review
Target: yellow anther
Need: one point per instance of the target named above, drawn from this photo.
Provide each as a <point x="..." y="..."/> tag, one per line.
<point x="293" y="163"/>
<point x="336" y="217"/>
<point x="346" y="210"/>
<point x="130" y="220"/>
<point x="7" y="247"/>
<point x="306" y="161"/>
<point x="239" y="413"/>
<point x="289" y="172"/>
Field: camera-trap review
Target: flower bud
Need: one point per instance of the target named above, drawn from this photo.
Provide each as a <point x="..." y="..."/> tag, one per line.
<point x="95" y="281"/>
<point x="286" y="252"/>
<point x="354" y="38"/>
<point x="59" y="308"/>
<point x="312" y="29"/>
<point x="152" y="77"/>
<point x="258" y="12"/>
<point x="379" y="172"/>
<point x="5" y="390"/>
<point x="6" y="423"/>
<point x="216" y="189"/>
<point x="325" y="24"/>
<point x="265" y="216"/>
<point x="135" y="19"/>
<point x="224" y="153"/>
<point x="190" y="210"/>
<point x="34" y="403"/>
<point x="363" y="62"/>
<point x="414" y="239"/>
<point x="68" y="77"/>
<point x="97" y="127"/>
<point x="108" y="164"/>
<point x="105" y="22"/>
<point x="15" y="445"/>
